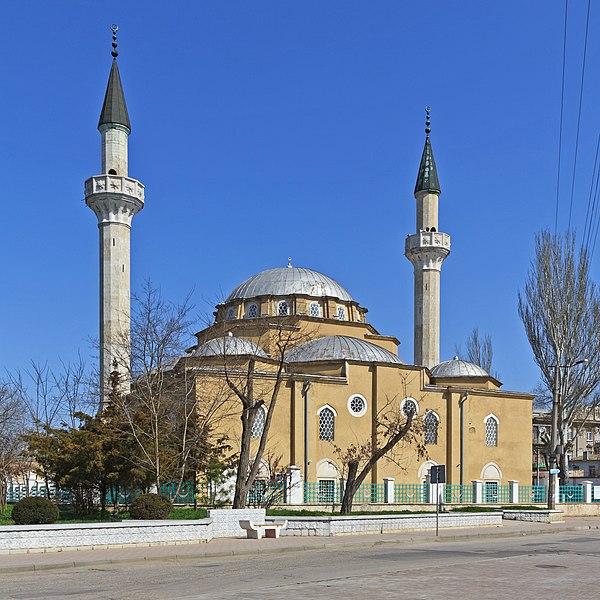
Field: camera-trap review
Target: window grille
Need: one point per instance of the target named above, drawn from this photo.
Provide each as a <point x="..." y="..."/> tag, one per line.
<point x="431" y="429"/>
<point x="326" y="424"/>
<point x="409" y="407"/>
<point x="258" y="425"/>
<point x="314" y="309"/>
<point x="230" y="314"/>
<point x="283" y="309"/>
<point x="357" y="404"/>
<point x="326" y="491"/>
<point x="252" y="311"/>
<point x="341" y="313"/>
<point x="491" y="432"/>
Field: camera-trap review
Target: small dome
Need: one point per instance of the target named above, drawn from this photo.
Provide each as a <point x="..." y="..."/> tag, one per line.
<point x="458" y="368"/>
<point x="230" y="346"/>
<point x="287" y="281"/>
<point x="341" y="347"/>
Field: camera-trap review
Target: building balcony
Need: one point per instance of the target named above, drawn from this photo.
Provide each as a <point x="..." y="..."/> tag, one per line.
<point x="427" y="239"/>
<point x="114" y="184"/>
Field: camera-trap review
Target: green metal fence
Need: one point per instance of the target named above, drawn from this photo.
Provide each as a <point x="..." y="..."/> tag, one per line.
<point x="326" y="491"/>
<point x="411" y="493"/>
<point x="529" y="494"/>
<point x="494" y="493"/>
<point x="457" y="493"/>
<point x="570" y="494"/>
<point x="266" y="493"/>
<point x="370" y="493"/>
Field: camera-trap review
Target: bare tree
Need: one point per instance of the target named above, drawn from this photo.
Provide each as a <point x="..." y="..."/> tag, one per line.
<point x="560" y="309"/>
<point x="12" y="425"/>
<point x="394" y="424"/>
<point x="160" y="412"/>
<point x="478" y="350"/>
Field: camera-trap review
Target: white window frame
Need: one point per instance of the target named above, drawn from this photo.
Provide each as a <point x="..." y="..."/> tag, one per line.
<point x="493" y="417"/>
<point x="310" y="307"/>
<point x="262" y="409"/>
<point x="340" y="312"/>
<point x="403" y="403"/>
<point x="437" y="430"/>
<point x="327" y="407"/>
<point x="362" y="412"/>
<point x="589" y="436"/>
<point x="288" y="308"/>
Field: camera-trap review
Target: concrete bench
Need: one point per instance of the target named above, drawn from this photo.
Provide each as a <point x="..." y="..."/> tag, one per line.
<point x="257" y="531"/>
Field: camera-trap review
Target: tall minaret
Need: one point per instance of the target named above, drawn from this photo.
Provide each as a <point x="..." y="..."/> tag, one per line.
<point x="427" y="250"/>
<point x="115" y="198"/>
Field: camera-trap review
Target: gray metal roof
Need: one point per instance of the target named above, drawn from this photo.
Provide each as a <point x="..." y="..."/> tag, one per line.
<point x="427" y="179"/>
<point x="287" y="281"/>
<point x="341" y="347"/>
<point x="230" y="346"/>
<point x="114" y="109"/>
<point x="458" y="368"/>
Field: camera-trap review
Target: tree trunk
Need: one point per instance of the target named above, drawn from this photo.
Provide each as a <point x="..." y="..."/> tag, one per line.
<point x="241" y="480"/>
<point x="350" y="489"/>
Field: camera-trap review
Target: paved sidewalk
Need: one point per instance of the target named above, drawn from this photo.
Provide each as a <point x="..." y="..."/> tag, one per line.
<point x="221" y="547"/>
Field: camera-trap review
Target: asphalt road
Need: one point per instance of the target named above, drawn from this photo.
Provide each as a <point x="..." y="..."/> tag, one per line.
<point x="562" y="566"/>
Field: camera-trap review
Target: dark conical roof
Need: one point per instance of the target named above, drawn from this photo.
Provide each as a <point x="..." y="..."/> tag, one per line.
<point x="114" y="109"/>
<point x="427" y="179"/>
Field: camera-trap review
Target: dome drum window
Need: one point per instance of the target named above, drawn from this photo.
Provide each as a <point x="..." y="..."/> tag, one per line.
<point x="341" y="313"/>
<point x="314" y="310"/>
<point x="283" y="308"/>
<point x="230" y="314"/>
<point x="252" y="311"/>
<point x="357" y="405"/>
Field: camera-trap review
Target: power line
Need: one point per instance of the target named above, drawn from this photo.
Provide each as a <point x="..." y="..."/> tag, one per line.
<point x="591" y="207"/>
<point x="587" y="22"/>
<point x="562" y="101"/>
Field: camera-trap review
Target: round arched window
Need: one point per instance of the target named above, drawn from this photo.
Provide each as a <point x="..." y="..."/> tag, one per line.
<point x="409" y="407"/>
<point x="357" y="405"/>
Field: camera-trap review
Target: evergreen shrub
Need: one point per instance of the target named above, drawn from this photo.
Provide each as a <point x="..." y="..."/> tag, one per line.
<point x="34" y="511"/>
<point x="151" y="507"/>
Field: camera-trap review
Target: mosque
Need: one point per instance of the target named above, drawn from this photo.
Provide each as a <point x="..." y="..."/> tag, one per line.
<point x="339" y="372"/>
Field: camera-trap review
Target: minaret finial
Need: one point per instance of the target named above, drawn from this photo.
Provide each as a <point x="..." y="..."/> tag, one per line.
<point x="114" y="28"/>
<point x="427" y="120"/>
<point x="290" y="266"/>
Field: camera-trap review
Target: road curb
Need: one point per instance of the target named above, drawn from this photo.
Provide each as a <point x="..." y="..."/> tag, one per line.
<point x="334" y="546"/>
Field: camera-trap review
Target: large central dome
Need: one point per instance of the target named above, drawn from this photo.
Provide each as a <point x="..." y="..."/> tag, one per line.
<point x="287" y="281"/>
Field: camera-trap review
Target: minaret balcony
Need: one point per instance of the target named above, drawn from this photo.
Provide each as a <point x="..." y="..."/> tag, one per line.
<point x="114" y="198"/>
<point x="100" y="184"/>
<point x="427" y="239"/>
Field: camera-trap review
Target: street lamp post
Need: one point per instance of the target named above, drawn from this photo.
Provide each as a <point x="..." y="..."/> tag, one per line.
<point x="555" y="451"/>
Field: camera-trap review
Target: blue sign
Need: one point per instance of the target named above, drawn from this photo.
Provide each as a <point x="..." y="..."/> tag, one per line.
<point x="554" y="471"/>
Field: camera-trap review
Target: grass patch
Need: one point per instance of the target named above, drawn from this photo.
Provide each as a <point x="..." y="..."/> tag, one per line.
<point x="6" y="516"/>
<point x="523" y="507"/>
<point x="187" y="513"/>
<point x="476" y="509"/>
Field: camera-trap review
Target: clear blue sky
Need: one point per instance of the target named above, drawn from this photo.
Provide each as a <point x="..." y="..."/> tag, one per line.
<point x="269" y="129"/>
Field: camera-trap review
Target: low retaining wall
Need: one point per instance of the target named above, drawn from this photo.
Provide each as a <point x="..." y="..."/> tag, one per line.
<point x="357" y="524"/>
<point x="226" y="522"/>
<point x="536" y="516"/>
<point x="42" y="538"/>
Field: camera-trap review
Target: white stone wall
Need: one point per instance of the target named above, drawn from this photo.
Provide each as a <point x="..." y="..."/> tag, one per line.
<point x="535" y="516"/>
<point x="58" y="537"/>
<point x="360" y="524"/>
<point x="226" y="522"/>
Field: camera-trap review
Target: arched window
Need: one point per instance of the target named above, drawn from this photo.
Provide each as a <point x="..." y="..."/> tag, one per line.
<point x="230" y="314"/>
<point x="409" y="406"/>
<point x="341" y="313"/>
<point x="431" y="422"/>
<point x="326" y="424"/>
<point x="283" y="308"/>
<point x="258" y="425"/>
<point x="252" y="311"/>
<point x="314" y="310"/>
<point x="491" y="431"/>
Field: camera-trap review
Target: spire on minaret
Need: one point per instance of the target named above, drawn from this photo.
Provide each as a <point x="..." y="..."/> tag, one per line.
<point x="427" y="179"/>
<point x="114" y="109"/>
